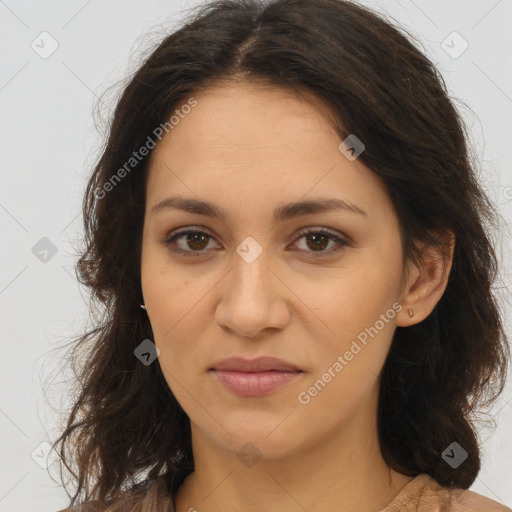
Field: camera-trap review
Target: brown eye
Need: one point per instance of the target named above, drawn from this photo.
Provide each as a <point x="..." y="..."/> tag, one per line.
<point x="317" y="240"/>
<point x="194" y="242"/>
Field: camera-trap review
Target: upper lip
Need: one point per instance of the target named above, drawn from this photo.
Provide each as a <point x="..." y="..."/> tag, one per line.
<point x="259" y="364"/>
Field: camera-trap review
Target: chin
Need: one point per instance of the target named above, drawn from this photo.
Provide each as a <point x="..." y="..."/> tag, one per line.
<point x="269" y="436"/>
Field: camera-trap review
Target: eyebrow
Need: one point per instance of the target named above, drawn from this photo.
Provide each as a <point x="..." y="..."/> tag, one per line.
<point x="281" y="213"/>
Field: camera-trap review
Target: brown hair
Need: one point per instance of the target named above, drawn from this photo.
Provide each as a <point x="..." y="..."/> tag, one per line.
<point x="125" y="421"/>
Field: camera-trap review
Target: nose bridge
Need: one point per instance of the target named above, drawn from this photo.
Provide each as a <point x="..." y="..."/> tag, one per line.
<point x="250" y="275"/>
<point x="249" y="300"/>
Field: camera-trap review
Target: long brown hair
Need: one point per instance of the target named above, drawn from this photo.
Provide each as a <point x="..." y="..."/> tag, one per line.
<point x="125" y="423"/>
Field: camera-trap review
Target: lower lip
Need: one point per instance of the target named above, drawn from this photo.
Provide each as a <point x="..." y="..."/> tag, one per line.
<point x="255" y="383"/>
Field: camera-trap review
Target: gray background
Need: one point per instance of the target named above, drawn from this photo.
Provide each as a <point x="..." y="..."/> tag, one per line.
<point x="49" y="143"/>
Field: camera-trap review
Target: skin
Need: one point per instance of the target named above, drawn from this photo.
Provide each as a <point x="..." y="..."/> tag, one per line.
<point x="250" y="149"/>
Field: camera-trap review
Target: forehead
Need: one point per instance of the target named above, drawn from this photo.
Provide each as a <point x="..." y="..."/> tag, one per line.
<point x="244" y="142"/>
<point x="250" y="120"/>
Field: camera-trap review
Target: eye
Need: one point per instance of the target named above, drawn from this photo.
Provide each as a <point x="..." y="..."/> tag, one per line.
<point x="319" y="238"/>
<point x="197" y="241"/>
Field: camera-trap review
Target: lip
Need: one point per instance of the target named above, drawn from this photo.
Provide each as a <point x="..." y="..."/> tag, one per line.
<point x="260" y="364"/>
<point x="256" y="377"/>
<point x="254" y="383"/>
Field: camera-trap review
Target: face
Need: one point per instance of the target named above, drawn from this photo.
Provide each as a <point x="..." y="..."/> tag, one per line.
<point x="253" y="284"/>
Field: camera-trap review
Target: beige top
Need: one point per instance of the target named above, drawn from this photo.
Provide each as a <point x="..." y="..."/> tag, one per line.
<point x="421" y="494"/>
<point x="424" y="494"/>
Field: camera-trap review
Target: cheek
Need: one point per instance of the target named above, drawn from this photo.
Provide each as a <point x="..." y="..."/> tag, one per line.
<point x="179" y="312"/>
<point x="353" y="297"/>
<point x="168" y="293"/>
<point x="354" y="316"/>
<point x="175" y="317"/>
<point x="174" y="310"/>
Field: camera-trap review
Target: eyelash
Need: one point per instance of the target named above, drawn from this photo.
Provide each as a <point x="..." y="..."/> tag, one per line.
<point x="168" y="241"/>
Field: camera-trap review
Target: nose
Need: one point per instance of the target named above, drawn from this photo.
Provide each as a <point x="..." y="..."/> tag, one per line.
<point x="253" y="298"/>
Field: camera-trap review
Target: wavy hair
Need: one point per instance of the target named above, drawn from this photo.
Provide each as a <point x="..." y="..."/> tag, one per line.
<point x="124" y="423"/>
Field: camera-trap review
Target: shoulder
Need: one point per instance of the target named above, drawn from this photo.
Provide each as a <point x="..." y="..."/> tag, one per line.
<point x="464" y="500"/>
<point x="424" y="494"/>
<point x="461" y="500"/>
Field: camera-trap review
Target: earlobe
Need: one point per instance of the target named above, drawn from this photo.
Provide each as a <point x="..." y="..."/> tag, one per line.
<point x="427" y="282"/>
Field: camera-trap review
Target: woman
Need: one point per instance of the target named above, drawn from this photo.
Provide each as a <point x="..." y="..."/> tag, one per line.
<point x="293" y="254"/>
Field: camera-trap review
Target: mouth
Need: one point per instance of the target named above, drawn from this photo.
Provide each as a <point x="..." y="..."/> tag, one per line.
<point x="253" y="378"/>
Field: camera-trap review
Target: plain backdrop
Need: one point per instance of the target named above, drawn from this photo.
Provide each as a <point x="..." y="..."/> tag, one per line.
<point x="49" y="143"/>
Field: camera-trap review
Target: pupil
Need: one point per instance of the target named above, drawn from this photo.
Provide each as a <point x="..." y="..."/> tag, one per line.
<point x="315" y="238"/>
<point x="196" y="236"/>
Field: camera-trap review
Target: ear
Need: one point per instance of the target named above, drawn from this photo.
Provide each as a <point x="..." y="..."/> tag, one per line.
<point x="426" y="282"/>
